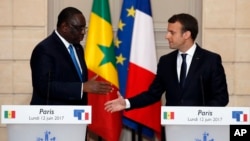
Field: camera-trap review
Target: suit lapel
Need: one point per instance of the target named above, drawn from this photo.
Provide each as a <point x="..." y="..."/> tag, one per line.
<point x="61" y="47"/>
<point x="196" y="60"/>
<point x="79" y="54"/>
<point x="65" y="52"/>
<point x="173" y="70"/>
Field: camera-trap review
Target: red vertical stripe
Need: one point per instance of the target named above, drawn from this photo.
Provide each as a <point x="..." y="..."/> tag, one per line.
<point x="172" y="115"/>
<point x="245" y="117"/>
<point x="143" y="78"/>
<point x="13" y="114"/>
<point x="86" y="116"/>
<point x="104" y="124"/>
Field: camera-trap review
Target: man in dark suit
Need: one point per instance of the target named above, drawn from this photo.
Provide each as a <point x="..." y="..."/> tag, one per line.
<point x="196" y="78"/>
<point x="59" y="71"/>
<point x="203" y="82"/>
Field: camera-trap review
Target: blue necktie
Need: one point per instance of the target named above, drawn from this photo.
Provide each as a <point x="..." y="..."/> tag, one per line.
<point x="73" y="57"/>
<point x="183" y="70"/>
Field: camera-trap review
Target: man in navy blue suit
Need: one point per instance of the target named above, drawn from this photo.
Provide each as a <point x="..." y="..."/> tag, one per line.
<point x="202" y="83"/>
<point x="204" y="80"/>
<point x="56" y="78"/>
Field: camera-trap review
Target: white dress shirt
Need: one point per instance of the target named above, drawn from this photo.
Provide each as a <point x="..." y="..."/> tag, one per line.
<point x="190" y="54"/>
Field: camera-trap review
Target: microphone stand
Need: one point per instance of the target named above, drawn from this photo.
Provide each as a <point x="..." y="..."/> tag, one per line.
<point x="202" y="92"/>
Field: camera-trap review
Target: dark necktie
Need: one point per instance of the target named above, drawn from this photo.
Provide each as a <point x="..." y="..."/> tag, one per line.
<point x="183" y="70"/>
<point x="73" y="57"/>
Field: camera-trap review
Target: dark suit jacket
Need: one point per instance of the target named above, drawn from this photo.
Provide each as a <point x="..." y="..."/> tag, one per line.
<point x="54" y="77"/>
<point x="205" y="82"/>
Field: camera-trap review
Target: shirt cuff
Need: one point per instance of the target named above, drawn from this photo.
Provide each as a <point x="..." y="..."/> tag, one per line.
<point x="82" y="91"/>
<point x="127" y="104"/>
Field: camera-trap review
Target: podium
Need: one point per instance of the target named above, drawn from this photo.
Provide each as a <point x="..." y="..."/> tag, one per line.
<point x="46" y="123"/>
<point x="201" y="123"/>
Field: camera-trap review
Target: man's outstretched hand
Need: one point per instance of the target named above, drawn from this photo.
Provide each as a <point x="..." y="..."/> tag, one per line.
<point x="98" y="87"/>
<point x="116" y="104"/>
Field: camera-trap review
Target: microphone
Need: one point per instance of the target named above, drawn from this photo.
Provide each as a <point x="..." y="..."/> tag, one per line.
<point x="48" y="89"/>
<point x="202" y="91"/>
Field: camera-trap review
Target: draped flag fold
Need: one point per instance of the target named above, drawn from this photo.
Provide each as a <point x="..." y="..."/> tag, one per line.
<point x="137" y="62"/>
<point x="101" y="61"/>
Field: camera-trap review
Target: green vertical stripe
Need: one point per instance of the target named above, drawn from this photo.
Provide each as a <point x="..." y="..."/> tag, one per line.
<point x="6" y="114"/>
<point x="165" y="115"/>
<point x="101" y="8"/>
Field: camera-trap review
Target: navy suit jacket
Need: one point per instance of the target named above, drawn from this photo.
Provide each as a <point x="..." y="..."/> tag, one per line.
<point x="205" y="83"/>
<point x="54" y="77"/>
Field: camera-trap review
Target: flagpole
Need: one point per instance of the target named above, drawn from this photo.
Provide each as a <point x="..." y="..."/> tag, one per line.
<point x="139" y="133"/>
<point x="133" y="135"/>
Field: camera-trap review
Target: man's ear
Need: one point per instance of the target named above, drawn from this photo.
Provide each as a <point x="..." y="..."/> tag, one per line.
<point x="64" y="27"/>
<point x="187" y="34"/>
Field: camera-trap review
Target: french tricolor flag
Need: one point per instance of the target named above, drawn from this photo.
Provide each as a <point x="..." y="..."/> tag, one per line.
<point x="240" y="116"/>
<point x="142" y="66"/>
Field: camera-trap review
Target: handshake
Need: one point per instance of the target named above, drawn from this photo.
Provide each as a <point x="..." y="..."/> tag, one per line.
<point x="116" y="104"/>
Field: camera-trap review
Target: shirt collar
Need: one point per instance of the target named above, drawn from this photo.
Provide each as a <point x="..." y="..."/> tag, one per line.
<point x="190" y="51"/>
<point x="65" y="42"/>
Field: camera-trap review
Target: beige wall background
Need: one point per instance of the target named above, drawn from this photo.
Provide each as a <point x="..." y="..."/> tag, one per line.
<point x="224" y="26"/>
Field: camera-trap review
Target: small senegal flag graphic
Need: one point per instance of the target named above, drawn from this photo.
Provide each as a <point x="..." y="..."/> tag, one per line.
<point x="9" y="114"/>
<point x="168" y="115"/>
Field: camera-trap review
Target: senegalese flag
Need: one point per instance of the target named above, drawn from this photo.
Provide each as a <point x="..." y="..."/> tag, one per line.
<point x="137" y="63"/>
<point x="9" y="114"/>
<point x="168" y="115"/>
<point x="101" y="61"/>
